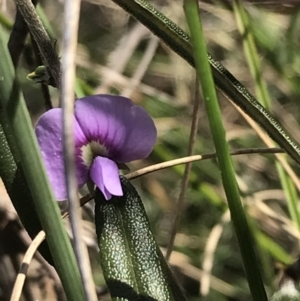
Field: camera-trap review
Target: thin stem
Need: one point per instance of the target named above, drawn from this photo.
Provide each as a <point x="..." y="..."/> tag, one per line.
<point x="184" y="160"/>
<point x="71" y="19"/>
<point x="185" y="180"/>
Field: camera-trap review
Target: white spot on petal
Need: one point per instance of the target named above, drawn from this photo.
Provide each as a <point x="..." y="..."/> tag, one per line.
<point x="98" y="149"/>
<point x="91" y="150"/>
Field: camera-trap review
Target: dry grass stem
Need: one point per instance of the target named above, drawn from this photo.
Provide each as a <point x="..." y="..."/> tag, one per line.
<point x="19" y="283"/>
<point x="184" y="160"/>
<point x="121" y="55"/>
<point x="143" y="66"/>
<point x="184" y="184"/>
<point x="209" y="252"/>
<point x="71" y="19"/>
<point x="195" y="273"/>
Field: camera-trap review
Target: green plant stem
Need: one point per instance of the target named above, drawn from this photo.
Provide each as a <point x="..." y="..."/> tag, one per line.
<point x="16" y="122"/>
<point x="179" y="42"/>
<point x="227" y="172"/>
<point x="264" y="96"/>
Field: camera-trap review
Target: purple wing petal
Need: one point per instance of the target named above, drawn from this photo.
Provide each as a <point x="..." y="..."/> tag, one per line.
<point x="49" y="135"/>
<point x="125" y="129"/>
<point x="105" y="174"/>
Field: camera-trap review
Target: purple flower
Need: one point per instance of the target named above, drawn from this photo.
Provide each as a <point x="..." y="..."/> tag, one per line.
<point x="107" y="130"/>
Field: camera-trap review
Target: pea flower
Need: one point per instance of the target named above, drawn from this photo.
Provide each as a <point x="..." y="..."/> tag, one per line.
<point x="108" y="130"/>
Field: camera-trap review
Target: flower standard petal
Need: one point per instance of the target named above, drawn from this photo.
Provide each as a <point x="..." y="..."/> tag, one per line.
<point x="104" y="173"/>
<point x="140" y="137"/>
<point x="126" y="130"/>
<point x="49" y="135"/>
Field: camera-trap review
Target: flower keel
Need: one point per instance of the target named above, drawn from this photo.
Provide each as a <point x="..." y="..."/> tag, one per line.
<point x="104" y="173"/>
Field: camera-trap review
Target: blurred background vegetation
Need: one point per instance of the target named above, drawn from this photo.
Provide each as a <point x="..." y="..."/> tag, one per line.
<point x="118" y="55"/>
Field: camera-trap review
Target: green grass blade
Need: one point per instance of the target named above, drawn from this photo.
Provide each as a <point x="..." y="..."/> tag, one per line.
<point x="227" y="172"/>
<point x="17" y="122"/>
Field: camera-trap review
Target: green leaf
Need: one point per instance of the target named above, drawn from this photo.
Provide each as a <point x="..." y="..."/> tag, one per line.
<point x="132" y="263"/>
<point x="25" y="178"/>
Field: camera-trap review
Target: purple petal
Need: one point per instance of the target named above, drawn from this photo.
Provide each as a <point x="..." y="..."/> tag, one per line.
<point x="105" y="174"/>
<point x="49" y="135"/>
<point x="125" y="129"/>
